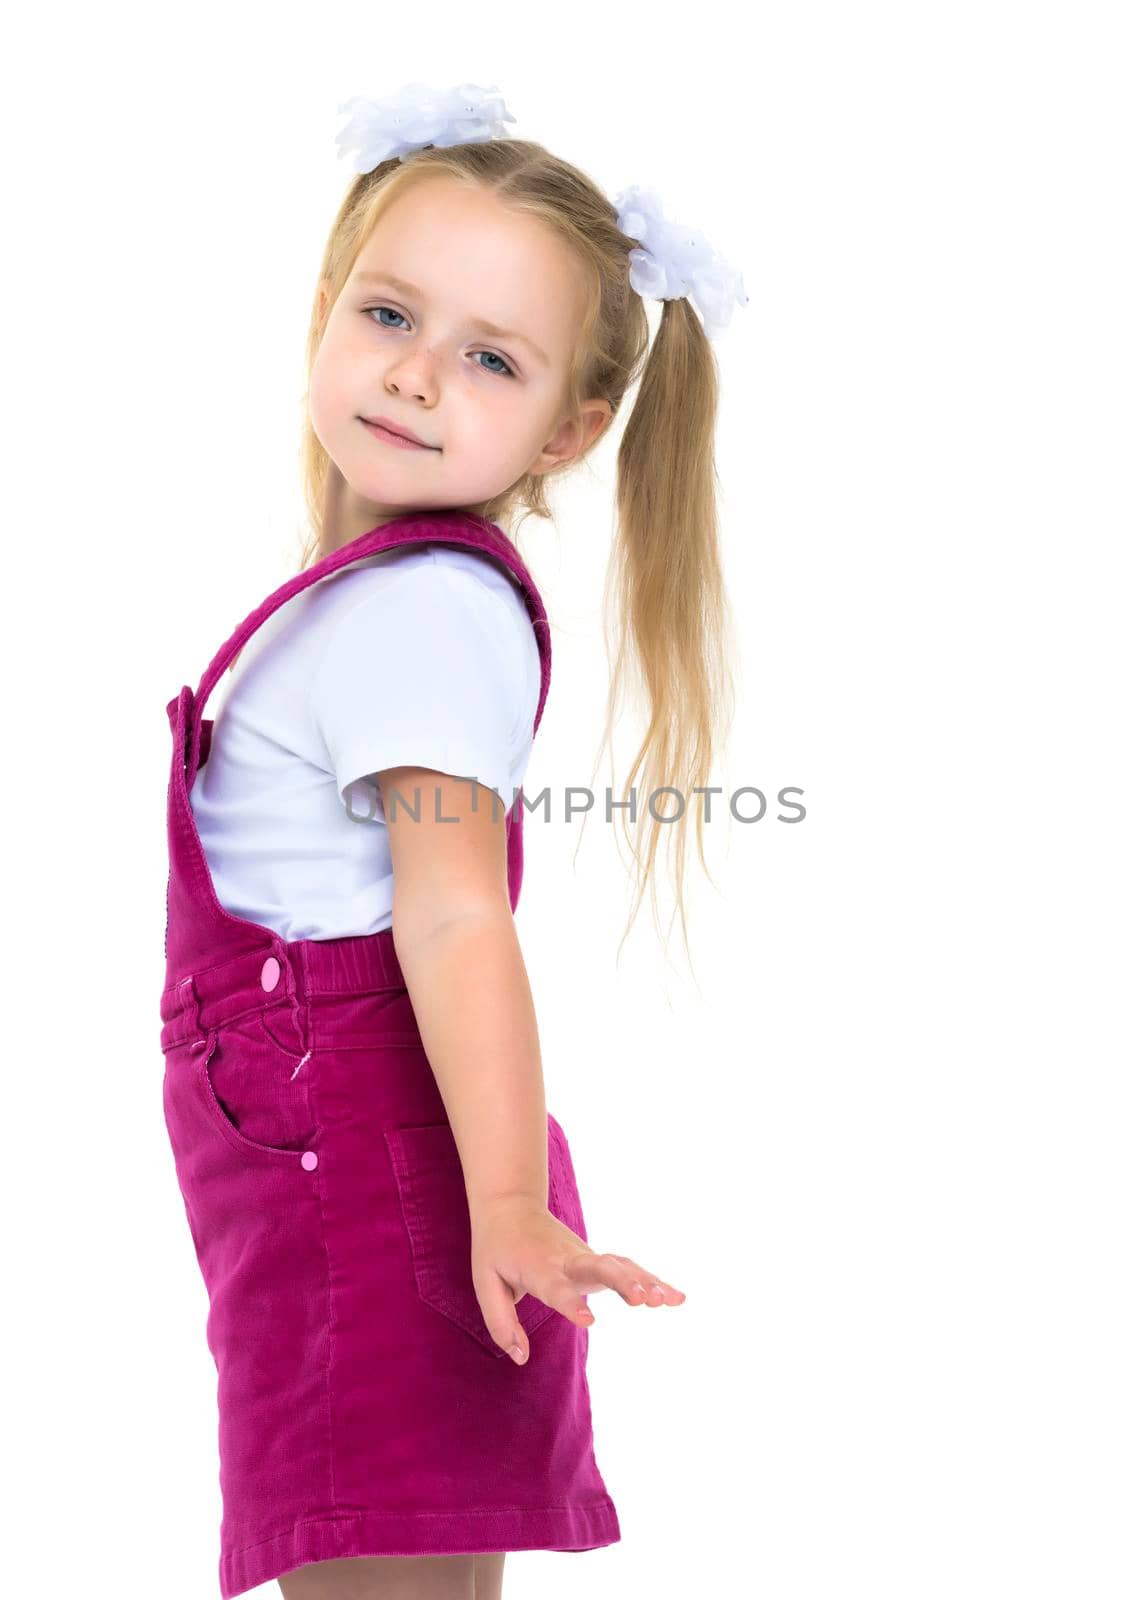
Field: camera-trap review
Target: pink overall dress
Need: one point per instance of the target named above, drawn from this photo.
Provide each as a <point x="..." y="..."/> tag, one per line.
<point x="364" y="1409"/>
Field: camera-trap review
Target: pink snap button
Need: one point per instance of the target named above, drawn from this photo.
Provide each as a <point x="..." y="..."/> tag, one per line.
<point x="309" y="1160"/>
<point x="271" y="972"/>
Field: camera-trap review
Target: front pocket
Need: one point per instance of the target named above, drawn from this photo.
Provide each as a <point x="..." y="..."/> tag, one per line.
<point x="252" y="1092"/>
<point x="434" y="1203"/>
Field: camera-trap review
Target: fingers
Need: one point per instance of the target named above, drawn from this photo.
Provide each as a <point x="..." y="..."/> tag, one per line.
<point x="583" y="1272"/>
<point x="633" y="1283"/>
<point x="498" y="1308"/>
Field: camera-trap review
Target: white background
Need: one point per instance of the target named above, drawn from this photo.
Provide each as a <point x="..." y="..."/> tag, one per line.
<point x="887" y="1136"/>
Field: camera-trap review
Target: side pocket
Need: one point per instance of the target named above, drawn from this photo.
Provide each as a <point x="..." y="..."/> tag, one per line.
<point x="434" y="1204"/>
<point x="257" y="1096"/>
<point x="565" y="1200"/>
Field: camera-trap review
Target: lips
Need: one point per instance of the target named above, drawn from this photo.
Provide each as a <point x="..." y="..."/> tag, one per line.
<point x="394" y="430"/>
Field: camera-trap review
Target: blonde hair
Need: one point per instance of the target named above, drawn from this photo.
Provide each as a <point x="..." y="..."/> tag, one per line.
<point x="664" y="570"/>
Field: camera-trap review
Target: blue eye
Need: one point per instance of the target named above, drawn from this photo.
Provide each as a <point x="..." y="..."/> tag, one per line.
<point x="507" y="370"/>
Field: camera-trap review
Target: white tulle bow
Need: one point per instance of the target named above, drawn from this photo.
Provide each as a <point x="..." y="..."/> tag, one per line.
<point x="416" y="116"/>
<point x="672" y="260"/>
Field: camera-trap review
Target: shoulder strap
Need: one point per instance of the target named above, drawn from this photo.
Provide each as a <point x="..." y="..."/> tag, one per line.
<point x="442" y="527"/>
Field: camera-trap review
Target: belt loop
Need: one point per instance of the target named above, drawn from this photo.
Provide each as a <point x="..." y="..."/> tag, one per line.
<point x="299" y="1005"/>
<point x="189" y="1000"/>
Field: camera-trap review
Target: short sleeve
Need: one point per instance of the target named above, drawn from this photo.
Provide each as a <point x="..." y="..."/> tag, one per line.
<point x="427" y="671"/>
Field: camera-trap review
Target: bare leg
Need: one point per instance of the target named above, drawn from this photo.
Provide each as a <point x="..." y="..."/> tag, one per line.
<point x="385" y="1578"/>
<point x="489" y="1576"/>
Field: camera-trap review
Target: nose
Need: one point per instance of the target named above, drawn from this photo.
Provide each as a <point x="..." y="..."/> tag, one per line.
<point x="409" y="389"/>
<point x="413" y="374"/>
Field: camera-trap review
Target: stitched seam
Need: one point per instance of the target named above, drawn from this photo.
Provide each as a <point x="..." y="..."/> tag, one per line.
<point x="329" y="1337"/>
<point x="400" y="1516"/>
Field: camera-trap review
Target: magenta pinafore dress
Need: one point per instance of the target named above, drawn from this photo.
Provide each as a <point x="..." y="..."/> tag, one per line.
<point x="364" y="1409"/>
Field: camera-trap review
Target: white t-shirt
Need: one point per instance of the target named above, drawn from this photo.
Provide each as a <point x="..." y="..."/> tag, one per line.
<point x="424" y="655"/>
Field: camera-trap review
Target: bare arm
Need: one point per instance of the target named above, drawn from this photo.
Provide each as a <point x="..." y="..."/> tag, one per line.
<point x="455" y="938"/>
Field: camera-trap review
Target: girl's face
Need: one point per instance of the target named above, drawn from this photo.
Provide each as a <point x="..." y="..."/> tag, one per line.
<point x="403" y="343"/>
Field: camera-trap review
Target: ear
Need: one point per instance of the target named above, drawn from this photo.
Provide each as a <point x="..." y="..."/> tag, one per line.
<point x="573" y="437"/>
<point x="323" y="298"/>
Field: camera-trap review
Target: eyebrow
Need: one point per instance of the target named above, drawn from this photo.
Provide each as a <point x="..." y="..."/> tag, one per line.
<point x="477" y="322"/>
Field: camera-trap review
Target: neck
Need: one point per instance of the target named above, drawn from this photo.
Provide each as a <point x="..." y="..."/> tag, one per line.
<point x="346" y="517"/>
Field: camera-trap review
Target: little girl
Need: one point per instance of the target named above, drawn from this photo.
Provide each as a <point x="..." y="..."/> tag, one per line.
<point x="380" y="1203"/>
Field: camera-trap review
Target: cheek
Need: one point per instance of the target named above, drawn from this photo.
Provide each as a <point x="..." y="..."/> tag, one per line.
<point x="500" y="420"/>
<point x="325" y="397"/>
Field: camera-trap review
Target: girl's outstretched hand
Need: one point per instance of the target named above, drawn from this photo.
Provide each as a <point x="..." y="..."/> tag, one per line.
<point x="519" y="1248"/>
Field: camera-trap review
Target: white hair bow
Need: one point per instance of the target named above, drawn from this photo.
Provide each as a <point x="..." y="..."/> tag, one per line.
<point x="673" y="261"/>
<point x="419" y="115"/>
